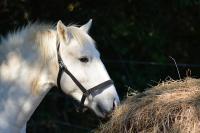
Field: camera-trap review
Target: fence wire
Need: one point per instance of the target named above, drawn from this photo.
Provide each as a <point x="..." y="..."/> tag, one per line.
<point x="108" y="61"/>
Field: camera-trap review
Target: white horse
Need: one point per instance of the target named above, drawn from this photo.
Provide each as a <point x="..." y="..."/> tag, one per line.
<point x="29" y="69"/>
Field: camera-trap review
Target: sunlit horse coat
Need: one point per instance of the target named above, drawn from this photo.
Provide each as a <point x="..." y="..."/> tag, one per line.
<point x="29" y="68"/>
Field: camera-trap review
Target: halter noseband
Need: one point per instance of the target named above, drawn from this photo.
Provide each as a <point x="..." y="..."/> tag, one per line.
<point x="86" y="93"/>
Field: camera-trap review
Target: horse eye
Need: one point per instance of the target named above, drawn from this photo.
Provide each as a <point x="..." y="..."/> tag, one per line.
<point x="84" y="59"/>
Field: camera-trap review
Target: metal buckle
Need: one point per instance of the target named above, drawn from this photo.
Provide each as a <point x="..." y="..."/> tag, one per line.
<point x="61" y="64"/>
<point x="86" y="94"/>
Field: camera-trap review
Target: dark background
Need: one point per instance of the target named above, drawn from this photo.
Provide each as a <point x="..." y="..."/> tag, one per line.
<point x="135" y="38"/>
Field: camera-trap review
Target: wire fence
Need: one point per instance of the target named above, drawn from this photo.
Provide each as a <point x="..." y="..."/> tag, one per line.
<point x="108" y="61"/>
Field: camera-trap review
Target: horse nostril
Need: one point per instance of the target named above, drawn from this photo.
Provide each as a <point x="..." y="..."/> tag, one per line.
<point x="115" y="104"/>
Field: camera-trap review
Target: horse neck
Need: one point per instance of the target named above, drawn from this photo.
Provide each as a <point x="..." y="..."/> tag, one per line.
<point x="21" y="95"/>
<point x="46" y="80"/>
<point x="18" y="101"/>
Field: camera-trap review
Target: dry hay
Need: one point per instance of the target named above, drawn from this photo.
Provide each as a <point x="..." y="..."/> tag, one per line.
<point x="170" y="107"/>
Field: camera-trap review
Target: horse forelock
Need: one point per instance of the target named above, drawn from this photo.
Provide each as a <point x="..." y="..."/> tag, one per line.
<point x="79" y="35"/>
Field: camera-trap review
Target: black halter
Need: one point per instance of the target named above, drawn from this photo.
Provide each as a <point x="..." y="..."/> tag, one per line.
<point x="86" y="93"/>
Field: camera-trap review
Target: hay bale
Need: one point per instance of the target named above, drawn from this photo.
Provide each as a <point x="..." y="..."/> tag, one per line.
<point x="170" y="107"/>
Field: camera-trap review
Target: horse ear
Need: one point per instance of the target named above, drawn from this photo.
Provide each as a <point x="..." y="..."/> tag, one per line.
<point x="61" y="30"/>
<point x="86" y="27"/>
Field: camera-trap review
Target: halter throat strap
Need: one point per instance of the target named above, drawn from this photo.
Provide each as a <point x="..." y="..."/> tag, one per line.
<point x="63" y="69"/>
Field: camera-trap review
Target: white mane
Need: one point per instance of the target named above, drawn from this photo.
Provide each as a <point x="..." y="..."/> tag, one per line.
<point x="39" y="35"/>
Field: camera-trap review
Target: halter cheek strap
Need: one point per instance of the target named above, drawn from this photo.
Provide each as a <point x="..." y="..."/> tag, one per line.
<point x="86" y="93"/>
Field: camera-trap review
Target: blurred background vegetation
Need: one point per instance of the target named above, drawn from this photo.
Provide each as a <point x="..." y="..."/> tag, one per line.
<point x="135" y="38"/>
